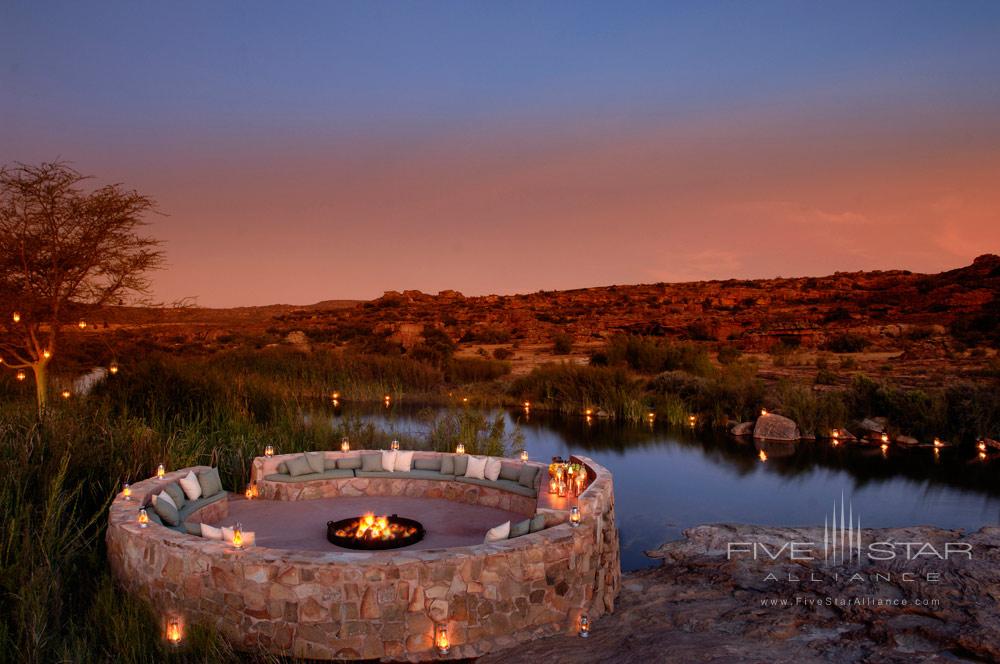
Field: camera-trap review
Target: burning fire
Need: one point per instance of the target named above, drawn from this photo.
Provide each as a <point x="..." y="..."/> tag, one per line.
<point x="371" y="527"/>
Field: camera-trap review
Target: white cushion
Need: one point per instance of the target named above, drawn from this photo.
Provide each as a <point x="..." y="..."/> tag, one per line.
<point x="404" y="461"/>
<point x="492" y="471"/>
<point x="191" y="486"/>
<point x="476" y="468"/>
<point x="165" y="497"/>
<point x="211" y="532"/>
<point x="227" y="534"/>
<point x="501" y="532"/>
<point x="389" y="460"/>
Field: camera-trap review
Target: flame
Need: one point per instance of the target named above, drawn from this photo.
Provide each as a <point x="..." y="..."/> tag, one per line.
<point x="237" y="538"/>
<point x="373" y="527"/>
<point x="763" y="455"/>
<point x="174" y="632"/>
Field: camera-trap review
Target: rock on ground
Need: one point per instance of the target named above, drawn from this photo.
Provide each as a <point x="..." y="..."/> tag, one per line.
<point x="701" y="607"/>
<point x="776" y="427"/>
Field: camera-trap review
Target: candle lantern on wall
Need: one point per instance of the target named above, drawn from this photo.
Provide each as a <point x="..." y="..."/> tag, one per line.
<point x="441" y="641"/>
<point x="174" y="634"/>
<point x="269" y="451"/>
<point x="127" y="491"/>
<point x="345" y="445"/>
<point x="460" y="448"/>
<point x="574" y="516"/>
<point x="524" y="456"/>
<point x="143" y="517"/>
<point x="394" y="445"/>
<point x="584" y="626"/>
<point x="160" y="471"/>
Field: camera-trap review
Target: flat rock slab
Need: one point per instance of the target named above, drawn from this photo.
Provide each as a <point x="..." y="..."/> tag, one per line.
<point x="701" y="606"/>
<point x="301" y="524"/>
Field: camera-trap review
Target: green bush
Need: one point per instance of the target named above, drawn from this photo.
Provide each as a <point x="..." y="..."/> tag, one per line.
<point x="562" y="344"/>
<point x="570" y="388"/>
<point x="652" y="355"/>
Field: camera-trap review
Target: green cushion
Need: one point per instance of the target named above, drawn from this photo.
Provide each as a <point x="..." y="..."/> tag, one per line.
<point x="412" y="475"/>
<point x="461" y="463"/>
<point x="335" y="474"/>
<point x="329" y="464"/>
<point x="177" y="493"/>
<point x="448" y="464"/>
<point x="537" y="523"/>
<point x="168" y="512"/>
<point x="299" y="466"/>
<point x="371" y="462"/>
<point x="210" y="482"/>
<point x="192" y="528"/>
<point x="349" y="463"/>
<point x="503" y="485"/>
<point x="315" y="460"/>
<point x="527" y="476"/>
<point x="194" y="505"/>
<point x="283" y="468"/>
<point x="427" y="463"/>
<point x="510" y="471"/>
<point x="520" y="528"/>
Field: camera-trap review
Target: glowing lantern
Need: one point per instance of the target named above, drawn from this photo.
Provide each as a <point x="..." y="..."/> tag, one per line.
<point x="465" y="399"/>
<point x="269" y="451"/>
<point x="763" y="412"/>
<point x="82" y="325"/>
<point x="160" y="471"/>
<point x="127" y="491"/>
<point x="113" y="368"/>
<point x="982" y="456"/>
<point x="174" y="633"/>
<point x="46" y="354"/>
<point x="584" y="626"/>
<point x="345" y="445"/>
<point x="553" y="486"/>
<point x="21" y="375"/>
<point x="588" y="412"/>
<point x="981" y="446"/>
<point x="574" y="516"/>
<point x="441" y="641"/>
<point x="692" y="419"/>
<point x="562" y="489"/>
<point x="335" y="396"/>
<point x="251" y="491"/>
<point x="579" y="483"/>
<point x="524" y="455"/>
<point x="238" y="537"/>
<point x="937" y="443"/>
<point x="835" y="434"/>
<point x="394" y="445"/>
<point x="66" y="394"/>
<point x="885" y="438"/>
<point x="460" y="448"/>
<point x="387" y="400"/>
<point x="16" y="316"/>
<point x="651" y="416"/>
<point x="527" y="405"/>
<point x="762" y="456"/>
<point x="143" y="517"/>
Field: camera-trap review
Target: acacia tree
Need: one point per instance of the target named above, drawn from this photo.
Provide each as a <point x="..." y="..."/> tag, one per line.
<point x="64" y="252"/>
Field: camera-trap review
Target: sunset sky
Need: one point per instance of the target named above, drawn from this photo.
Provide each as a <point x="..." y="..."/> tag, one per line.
<point x="320" y="150"/>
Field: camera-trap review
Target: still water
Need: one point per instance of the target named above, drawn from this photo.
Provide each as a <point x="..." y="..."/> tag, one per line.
<point x="667" y="480"/>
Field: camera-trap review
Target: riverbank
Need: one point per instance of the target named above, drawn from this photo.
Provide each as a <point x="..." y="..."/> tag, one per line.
<point x="701" y="606"/>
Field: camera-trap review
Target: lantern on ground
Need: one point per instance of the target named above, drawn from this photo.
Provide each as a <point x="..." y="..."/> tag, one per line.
<point x="248" y="494"/>
<point x="345" y="445"/>
<point x="524" y="456"/>
<point x="387" y="400"/>
<point x="20" y="375"/>
<point x="553" y="486"/>
<point x="394" y="445"/>
<point x="574" y="516"/>
<point x="562" y="489"/>
<point x="160" y="471"/>
<point x="651" y="416"/>
<point x="46" y="354"/>
<point x="335" y="396"/>
<point x="885" y="438"/>
<point x="982" y="446"/>
<point x="584" y="626"/>
<point x="763" y="412"/>
<point x="269" y="451"/>
<point x="580" y="479"/>
<point x="143" y="517"/>
<point x="441" y="641"/>
<point x="174" y="634"/>
<point x="16" y="316"/>
<point x="692" y="419"/>
<point x="113" y="368"/>
<point x="938" y="444"/>
<point x="127" y="491"/>
<point x="465" y="400"/>
<point x="82" y="325"/>
<point x="526" y="405"/>
<point x="66" y="394"/>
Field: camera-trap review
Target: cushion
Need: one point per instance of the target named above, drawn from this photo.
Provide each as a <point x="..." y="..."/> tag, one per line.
<point x="413" y="474"/>
<point x="211" y="532"/>
<point x="349" y="463"/>
<point x="283" y="468"/>
<point x="329" y="464"/>
<point x="153" y="516"/>
<point x="167" y="510"/>
<point x="498" y="533"/>
<point x="404" y="461"/>
<point x="335" y="474"/>
<point x="315" y="461"/>
<point x="510" y="471"/>
<point x="298" y="466"/>
<point x="448" y="465"/>
<point x="191" y="486"/>
<point x="461" y="463"/>
<point x="476" y="468"/>
<point x="193" y="506"/>
<point x="193" y="528"/>
<point x="210" y="482"/>
<point x="370" y="462"/>
<point x="227" y="534"/>
<point x="428" y="463"/>
<point x="527" y="476"/>
<point x="503" y="485"/>
<point x="537" y="523"/>
<point x="492" y="471"/>
<point x="520" y="528"/>
<point x="389" y="460"/>
<point x="176" y="494"/>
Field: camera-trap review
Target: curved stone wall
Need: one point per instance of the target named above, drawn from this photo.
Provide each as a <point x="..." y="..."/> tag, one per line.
<point x="353" y="605"/>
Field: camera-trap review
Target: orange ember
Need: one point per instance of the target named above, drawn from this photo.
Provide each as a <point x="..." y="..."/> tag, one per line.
<point x="371" y="527"/>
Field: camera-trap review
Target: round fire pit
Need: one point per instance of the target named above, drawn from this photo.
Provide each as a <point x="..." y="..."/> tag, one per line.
<point x="374" y="533"/>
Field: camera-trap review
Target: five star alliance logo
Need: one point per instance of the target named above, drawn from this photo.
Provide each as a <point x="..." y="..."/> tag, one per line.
<point x="841" y="539"/>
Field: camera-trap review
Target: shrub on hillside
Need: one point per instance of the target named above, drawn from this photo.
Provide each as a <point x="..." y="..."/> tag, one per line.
<point x="848" y="342"/>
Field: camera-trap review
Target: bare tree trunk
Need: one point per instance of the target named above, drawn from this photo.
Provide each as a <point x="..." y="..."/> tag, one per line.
<point x="41" y="370"/>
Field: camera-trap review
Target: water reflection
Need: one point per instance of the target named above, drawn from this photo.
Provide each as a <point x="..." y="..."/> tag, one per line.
<point x="668" y="479"/>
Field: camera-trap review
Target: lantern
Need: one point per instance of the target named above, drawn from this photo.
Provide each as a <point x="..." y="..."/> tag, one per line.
<point x="387" y="400"/>
<point x="692" y="419"/>
<point x="46" y="353"/>
<point x="21" y="375"/>
<point x="113" y="368"/>
<point x="335" y="396"/>
<point x="238" y="537"/>
<point x="143" y="517"/>
<point x="938" y="443"/>
<point x="885" y="438"/>
<point x="553" y="486"/>
<point x="574" y="516"/>
<point x="762" y="456"/>
<point x="465" y="400"/>
<point x="394" y="445"/>
<point x="160" y="471"/>
<point x="127" y="491"/>
<point x="650" y="416"/>
<point x="524" y="456"/>
<point x="345" y="445"/>
<point x="982" y="456"/>
<point x="835" y="434"/>
<point x="763" y="412"/>
<point x="588" y="412"/>
<point x="269" y="451"/>
<point x="66" y="394"/>
<point x="981" y="446"/>
<point x="16" y="316"/>
<point x="584" y="626"/>
<point x="460" y="448"/>
<point x="82" y="325"/>
<point x="580" y="479"/>
<point x="562" y="489"/>
<point x="526" y="405"/>
<point x="174" y="632"/>
<point x="249" y="492"/>
<point x="441" y="641"/>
